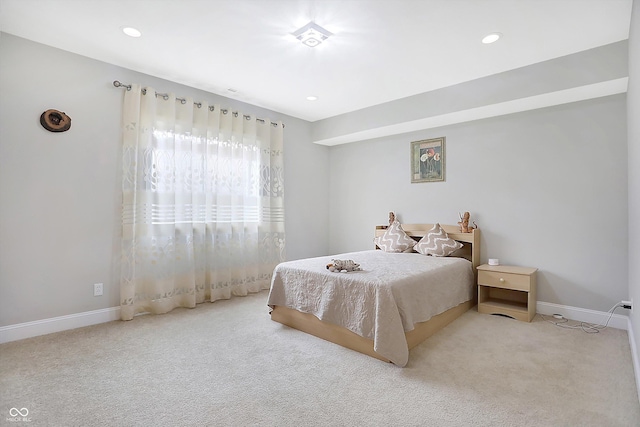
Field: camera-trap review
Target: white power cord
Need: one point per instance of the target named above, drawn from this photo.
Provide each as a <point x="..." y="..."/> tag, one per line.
<point x="589" y="328"/>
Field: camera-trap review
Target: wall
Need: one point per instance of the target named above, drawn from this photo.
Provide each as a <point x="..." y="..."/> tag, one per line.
<point x="633" y="112"/>
<point x="60" y="193"/>
<point x="592" y="73"/>
<point x="542" y="185"/>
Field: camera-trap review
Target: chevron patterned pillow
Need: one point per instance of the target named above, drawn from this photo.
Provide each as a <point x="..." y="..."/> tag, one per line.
<point x="437" y="243"/>
<point x="394" y="239"/>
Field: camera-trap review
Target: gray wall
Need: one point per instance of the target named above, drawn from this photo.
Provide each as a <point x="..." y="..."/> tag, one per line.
<point x="540" y="184"/>
<point x="60" y="193"/>
<point x="633" y="115"/>
<point x="599" y="69"/>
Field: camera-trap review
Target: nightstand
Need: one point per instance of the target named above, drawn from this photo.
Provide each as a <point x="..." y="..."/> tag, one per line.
<point x="508" y="290"/>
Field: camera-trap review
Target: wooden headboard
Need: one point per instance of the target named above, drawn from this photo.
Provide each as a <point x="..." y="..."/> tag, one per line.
<point x="417" y="231"/>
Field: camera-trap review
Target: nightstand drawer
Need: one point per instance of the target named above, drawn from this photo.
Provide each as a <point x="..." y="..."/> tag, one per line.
<point x="496" y="279"/>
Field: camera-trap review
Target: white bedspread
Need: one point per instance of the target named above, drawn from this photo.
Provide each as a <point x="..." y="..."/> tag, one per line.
<point x="393" y="292"/>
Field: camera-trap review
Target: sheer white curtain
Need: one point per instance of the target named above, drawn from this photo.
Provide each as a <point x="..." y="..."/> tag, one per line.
<point x="203" y="211"/>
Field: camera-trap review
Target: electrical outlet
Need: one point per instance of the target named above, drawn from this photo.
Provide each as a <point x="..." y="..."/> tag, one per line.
<point x="97" y="289"/>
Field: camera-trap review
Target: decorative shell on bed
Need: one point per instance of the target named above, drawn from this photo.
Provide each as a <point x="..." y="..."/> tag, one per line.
<point x="343" y="266"/>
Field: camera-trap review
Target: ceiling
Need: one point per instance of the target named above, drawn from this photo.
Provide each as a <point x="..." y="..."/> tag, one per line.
<point x="381" y="50"/>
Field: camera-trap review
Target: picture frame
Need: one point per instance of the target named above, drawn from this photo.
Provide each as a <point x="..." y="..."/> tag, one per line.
<point x="428" y="160"/>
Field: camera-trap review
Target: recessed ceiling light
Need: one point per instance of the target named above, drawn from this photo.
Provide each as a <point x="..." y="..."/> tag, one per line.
<point x="311" y="34"/>
<point x="131" y="32"/>
<point x="490" y="38"/>
<point x="312" y="98"/>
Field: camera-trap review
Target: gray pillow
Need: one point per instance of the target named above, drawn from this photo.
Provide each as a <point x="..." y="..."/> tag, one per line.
<point x="394" y="239"/>
<point x="437" y="243"/>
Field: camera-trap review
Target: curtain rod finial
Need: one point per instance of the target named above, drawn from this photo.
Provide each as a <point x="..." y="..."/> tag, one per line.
<point x="116" y="83"/>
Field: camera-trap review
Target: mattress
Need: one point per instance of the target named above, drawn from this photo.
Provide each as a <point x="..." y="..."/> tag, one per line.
<point x="391" y="293"/>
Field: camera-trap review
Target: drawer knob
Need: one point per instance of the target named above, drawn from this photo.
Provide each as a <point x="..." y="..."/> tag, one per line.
<point x="501" y="280"/>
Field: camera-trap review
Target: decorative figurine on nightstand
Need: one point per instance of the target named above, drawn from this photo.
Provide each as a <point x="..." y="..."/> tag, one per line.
<point x="464" y="223"/>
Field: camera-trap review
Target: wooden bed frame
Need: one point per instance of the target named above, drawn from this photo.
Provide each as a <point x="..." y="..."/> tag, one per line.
<point x="342" y="336"/>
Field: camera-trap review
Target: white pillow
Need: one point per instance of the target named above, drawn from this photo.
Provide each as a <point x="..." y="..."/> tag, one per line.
<point x="437" y="243"/>
<point x="394" y="239"/>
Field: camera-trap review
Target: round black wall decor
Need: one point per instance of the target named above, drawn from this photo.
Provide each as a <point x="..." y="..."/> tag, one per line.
<point x="55" y="121"/>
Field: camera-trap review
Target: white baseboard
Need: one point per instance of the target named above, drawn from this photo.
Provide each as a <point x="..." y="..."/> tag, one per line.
<point x="618" y="321"/>
<point x="634" y="356"/>
<point x="57" y="324"/>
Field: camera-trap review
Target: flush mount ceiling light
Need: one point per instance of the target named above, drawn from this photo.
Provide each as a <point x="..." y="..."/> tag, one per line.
<point x="312" y="98"/>
<point x="491" y="38"/>
<point x="131" y="32"/>
<point x="311" y="34"/>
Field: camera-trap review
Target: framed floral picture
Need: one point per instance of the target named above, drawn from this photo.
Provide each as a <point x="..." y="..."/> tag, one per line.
<point x="427" y="160"/>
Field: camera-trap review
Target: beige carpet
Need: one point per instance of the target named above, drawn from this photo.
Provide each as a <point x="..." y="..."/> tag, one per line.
<point x="228" y="364"/>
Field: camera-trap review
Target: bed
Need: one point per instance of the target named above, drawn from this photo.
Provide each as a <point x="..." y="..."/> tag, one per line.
<point x="393" y="304"/>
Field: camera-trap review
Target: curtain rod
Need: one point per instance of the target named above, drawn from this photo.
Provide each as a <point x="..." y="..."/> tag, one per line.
<point x="165" y="96"/>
